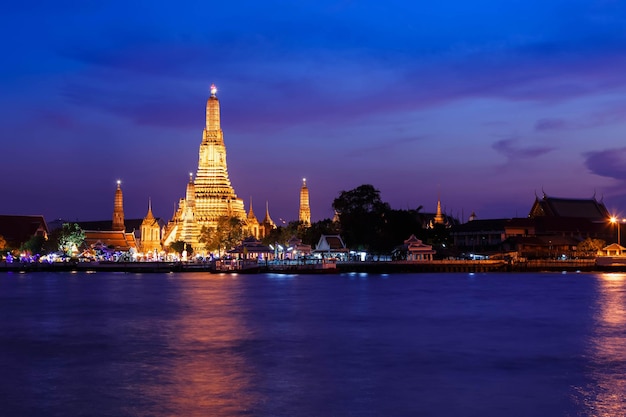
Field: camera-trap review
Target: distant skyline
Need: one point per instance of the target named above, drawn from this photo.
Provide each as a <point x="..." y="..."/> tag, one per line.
<point x="482" y="104"/>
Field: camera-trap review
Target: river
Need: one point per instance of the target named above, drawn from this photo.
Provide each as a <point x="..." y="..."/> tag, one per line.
<point x="199" y="344"/>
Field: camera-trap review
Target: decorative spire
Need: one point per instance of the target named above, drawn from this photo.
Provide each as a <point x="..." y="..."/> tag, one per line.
<point x="191" y="190"/>
<point x="149" y="216"/>
<point x="268" y="220"/>
<point x="439" y="215"/>
<point x="118" y="209"/>
<point x="305" y="210"/>
<point x="251" y="212"/>
<point x="213" y="111"/>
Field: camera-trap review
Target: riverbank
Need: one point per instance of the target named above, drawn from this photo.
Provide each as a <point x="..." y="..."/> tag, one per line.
<point x="381" y="267"/>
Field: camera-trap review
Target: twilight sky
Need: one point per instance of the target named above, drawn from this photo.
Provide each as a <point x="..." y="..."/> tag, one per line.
<point x="482" y="103"/>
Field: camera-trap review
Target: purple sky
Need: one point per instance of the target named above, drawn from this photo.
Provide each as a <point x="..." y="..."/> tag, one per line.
<point x="482" y="104"/>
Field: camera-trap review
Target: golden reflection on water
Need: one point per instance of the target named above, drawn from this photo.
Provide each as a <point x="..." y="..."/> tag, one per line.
<point x="207" y="372"/>
<point x="607" y="397"/>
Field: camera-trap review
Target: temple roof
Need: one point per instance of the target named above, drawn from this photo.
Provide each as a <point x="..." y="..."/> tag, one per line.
<point x="19" y="229"/>
<point x="569" y="207"/>
<point x="107" y="225"/>
<point x="331" y="243"/>
<point x="117" y="239"/>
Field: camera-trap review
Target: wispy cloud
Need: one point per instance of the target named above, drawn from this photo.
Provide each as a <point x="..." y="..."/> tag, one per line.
<point x="510" y="149"/>
<point x="609" y="163"/>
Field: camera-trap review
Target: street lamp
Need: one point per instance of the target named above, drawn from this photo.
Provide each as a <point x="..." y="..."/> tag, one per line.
<point x="616" y="222"/>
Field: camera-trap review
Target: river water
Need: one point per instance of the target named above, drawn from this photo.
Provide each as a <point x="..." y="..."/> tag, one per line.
<point x="196" y="344"/>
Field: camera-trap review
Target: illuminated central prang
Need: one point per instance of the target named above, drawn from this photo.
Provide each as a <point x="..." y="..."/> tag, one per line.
<point x="210" y="196"/>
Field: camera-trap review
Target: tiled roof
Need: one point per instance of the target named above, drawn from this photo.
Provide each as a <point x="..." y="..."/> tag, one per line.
<point x="19" y="229"/>
<point x="105" y="225"/>
<point x="570" y="207"/>
<point x="117" y="239"/>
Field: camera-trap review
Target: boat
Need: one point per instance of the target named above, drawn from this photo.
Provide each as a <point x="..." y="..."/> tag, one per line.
<point x="298" y="266"/>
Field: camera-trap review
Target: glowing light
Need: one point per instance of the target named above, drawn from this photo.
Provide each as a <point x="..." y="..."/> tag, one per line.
<point x="119" y="182"/>
<point x="213" y="89"/>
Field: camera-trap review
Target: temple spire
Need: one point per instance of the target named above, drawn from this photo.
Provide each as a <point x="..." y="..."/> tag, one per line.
<point x="305" y="210"/>
<point x="268" y="220"/>
<point x="118" y="209"/>
<point x="213" y="111"/>
<point x="439" y="214"/>
<point x="149" y="216"/>
<point x="251" y="212"/>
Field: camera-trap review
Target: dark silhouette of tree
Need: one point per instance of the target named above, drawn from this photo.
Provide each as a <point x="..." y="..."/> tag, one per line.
<point x="361" y="216"/>
<point x="227" y="234"/>
<point x="178" y="246"/>
<point x="311" y="235"/>
<point x="34" y="245"/>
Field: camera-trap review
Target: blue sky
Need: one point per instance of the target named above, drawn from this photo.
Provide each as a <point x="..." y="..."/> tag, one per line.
<point x="483" y="103"/>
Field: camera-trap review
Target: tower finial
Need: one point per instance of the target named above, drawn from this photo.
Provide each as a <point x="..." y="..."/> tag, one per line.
<point x="213" y="90"/>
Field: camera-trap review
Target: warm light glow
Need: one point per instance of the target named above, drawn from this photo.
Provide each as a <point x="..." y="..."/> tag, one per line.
<point x="213" y="89"/>
<point x="613" y="219"/>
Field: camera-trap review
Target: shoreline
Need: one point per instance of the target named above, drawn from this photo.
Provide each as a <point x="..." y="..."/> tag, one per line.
<point x="382" y="267"/>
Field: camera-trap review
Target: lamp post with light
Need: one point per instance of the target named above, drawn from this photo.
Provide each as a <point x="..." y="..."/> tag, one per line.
<point x="616" y="222"/>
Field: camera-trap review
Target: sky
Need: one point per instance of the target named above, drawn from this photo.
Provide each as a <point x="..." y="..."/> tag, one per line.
<point x="483" y="105"/>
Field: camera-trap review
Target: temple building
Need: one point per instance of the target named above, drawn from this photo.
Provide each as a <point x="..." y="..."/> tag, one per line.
<point x="150" y="233"/>
<point x="111" y="235"/>
<point x="304" y="216"/>
<point x="118" y="209"/>
<point x="210" y="195"/>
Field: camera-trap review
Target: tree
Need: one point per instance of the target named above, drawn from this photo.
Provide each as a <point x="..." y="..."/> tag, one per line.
<point x="70" y="238"/>
<point x="311" y="235"/>
<point x="178" y="246"/>
<point x="227" y="234"/>
<point x="362" y="216"/>
<point x="3" y="243"/>
<point x="34" y="245"/>
<point x="398" y="226"/>
<point x="590" y="247"/>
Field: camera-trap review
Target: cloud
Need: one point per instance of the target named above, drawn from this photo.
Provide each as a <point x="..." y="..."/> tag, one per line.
<point x="609" y="163"/>
<point x="607" y="114"/>
<point x="508" y="148"/>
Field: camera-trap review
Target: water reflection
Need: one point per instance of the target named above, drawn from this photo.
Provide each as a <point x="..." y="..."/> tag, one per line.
<point x="605" y="397"/>
<point x="205" y="357"/>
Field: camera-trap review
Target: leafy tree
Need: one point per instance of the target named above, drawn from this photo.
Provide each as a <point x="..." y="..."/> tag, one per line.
<point x="311" y="235"/>
<point x="227" y="234"/>
<point x="281" y="234"/>
<point x="362" y="216"/>
<point x="3" y="242"/>
<point x="71" y="237"/>
<point x="178" y="246"/>
<point x="590" y="247"/>
<point x="34" y="245"/>
<point x="398" y="226"/>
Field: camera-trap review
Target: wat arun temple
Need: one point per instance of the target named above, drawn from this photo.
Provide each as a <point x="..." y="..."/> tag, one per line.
<point x="210" y="195"/>
<point x="209" y="198"/>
